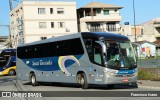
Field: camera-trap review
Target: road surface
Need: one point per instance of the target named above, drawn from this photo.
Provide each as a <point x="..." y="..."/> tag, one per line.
<point x="10" y="83"/>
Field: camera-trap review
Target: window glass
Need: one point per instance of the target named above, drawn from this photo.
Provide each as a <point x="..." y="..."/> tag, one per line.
<point x="60" y="10"/>
<point x="51" y="10"/>
<point x="98" y="11"/>
<point x="106" y="12"/>
<point x="61" y="24"/>
<point x="43" y="38"/>
<point x="52" y="24"/>
<point x="42" y="25"/>
<point x="97" y="54"/>
<point x="41" y="11"/>
<point x="58" y="48"/>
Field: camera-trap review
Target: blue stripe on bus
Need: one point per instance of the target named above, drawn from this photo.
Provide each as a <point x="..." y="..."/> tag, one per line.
<point x="48" y="63"/>
<point x="1" y="68"/>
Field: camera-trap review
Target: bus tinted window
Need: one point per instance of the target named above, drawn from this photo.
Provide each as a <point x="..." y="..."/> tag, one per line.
<point x="63" y="48"/>
<point x="59" y="48"/>
<point x="76" y="47"/>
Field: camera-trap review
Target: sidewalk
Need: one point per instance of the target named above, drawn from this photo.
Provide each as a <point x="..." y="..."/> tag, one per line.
<point x="149" y="84"/>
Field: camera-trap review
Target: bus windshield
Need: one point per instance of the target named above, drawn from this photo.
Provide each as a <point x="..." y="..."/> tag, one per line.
<point x="119" y="55"/>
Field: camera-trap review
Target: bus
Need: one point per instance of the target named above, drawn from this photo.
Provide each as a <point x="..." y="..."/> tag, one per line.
<point x="8" y="62"/>
<point x="86" y="58"/>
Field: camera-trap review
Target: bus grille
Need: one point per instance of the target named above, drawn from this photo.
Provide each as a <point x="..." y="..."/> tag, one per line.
<point x="125" y="75"/>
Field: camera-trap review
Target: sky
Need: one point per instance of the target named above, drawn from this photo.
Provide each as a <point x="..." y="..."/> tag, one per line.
<point x="145" y="10"/>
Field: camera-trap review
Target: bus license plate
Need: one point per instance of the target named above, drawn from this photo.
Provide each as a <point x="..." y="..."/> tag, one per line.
<point x="125" y="80"/>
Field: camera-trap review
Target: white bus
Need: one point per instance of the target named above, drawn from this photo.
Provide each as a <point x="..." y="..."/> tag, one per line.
<point x="84" y="58"/>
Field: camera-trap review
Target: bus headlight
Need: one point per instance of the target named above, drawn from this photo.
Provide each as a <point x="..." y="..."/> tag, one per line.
<point x="136" y="73"/>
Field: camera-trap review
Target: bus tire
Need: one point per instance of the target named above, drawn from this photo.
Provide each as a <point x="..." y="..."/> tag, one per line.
<point x="135" y="85"/>
<point x="12" y="72"/>
<point x="83" y="81"/>
<point x="33" y="80"/>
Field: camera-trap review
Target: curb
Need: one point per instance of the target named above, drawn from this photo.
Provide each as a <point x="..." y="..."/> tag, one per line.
<point x="151" y="87"/>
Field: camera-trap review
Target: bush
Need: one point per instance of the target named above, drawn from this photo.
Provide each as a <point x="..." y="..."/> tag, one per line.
<point x="145" y="74"/>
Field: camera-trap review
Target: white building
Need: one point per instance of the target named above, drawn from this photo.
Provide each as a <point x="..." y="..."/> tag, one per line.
<point x="97" y="16"/>
<point x="37" y="20"/>
<point x="146" y="49"/>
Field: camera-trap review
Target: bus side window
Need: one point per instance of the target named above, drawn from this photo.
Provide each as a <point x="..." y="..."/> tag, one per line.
<point x="89" y="48"/>
<point x="97" y="54"/>
<point x="76" y="47"/>
<point x="63" y="48"/>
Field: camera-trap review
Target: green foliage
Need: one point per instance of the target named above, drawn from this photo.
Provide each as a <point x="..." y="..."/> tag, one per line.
<point x="147" y="75"/>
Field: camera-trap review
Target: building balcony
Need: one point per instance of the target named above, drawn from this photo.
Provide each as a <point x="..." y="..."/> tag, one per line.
<point x="110" y="17"/>
<point x="157" y="36"/>
<point x="157" y="25"/>
<point x="104" y="30"/>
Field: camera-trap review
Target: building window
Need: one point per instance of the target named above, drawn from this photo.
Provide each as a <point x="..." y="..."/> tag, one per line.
<point x="41" y="11"/>
<point x="60" y="10"/>
<point x="106" y="12"/>
<point x="142" y="32"/>
<point x="42" y="25"/>
<point x="61" y="24"/>
<point x="43" y="38"/>
<point x="52" y="24"/>
<point x="112" y="27"/>
<point x="98" y="11"/>
<point x="51" y="10"/>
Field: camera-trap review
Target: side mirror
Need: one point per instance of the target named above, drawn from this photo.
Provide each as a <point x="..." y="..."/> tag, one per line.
<point x="102" y="45"/>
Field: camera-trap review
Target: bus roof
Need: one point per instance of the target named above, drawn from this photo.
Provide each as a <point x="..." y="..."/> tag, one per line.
<point x="97" y="35"/>
<point x="105" y="36"/>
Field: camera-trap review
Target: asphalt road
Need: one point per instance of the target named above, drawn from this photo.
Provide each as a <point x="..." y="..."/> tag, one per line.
<point x="9" y="83"/>
<point x="152" y="62"/>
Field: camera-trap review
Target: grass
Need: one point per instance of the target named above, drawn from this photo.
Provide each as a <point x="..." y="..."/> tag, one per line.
<point x="144" y="75"/>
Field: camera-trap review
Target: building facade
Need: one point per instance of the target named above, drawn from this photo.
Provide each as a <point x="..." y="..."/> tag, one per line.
<point x="3" y="42"/>
<point x="97" y="16"/>
<point x="146" y="49"/>
<point x="37" y="20"/>
<point x="149" y="31"/>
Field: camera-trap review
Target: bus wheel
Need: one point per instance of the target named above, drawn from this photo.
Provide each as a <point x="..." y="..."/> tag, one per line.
<point x="33" y="80"/>
<point x="82" y="80"/>
<point x="135" y="85"/>
<point x="12" y="72"/>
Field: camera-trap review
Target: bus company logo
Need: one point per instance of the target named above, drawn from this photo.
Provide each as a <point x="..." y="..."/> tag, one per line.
<point x="41" y="63"/>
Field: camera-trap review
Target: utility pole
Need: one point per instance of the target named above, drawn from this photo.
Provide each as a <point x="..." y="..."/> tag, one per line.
<point x="10" y="41"/>
<point x="134" y="14"/>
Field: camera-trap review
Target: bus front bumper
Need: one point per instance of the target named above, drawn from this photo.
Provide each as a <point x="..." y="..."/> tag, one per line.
<point x="123" y="79"/>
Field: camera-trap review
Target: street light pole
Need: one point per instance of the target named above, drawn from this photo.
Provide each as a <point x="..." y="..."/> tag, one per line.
<point x="134" y="14"/>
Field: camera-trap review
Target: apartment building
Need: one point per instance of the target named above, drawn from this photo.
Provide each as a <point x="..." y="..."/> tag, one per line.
<point x="149" y="31"/>
<point x="34" y="20"/>
<point x="97" y="16"/>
